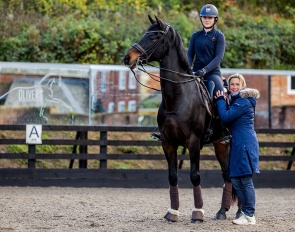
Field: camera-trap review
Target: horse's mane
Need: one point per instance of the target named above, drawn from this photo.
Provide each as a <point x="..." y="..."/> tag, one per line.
<point x="178" y="44"/>
<point x="181" y="51"/>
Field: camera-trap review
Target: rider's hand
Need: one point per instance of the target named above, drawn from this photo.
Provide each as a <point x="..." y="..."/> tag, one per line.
<point x="201" y="73"/>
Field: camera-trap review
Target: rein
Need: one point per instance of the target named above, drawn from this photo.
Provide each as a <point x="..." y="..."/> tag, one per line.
<point x="142" y="69"/>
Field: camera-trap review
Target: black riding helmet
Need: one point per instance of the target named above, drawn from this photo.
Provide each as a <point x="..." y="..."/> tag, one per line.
<point x="209" y="10"/>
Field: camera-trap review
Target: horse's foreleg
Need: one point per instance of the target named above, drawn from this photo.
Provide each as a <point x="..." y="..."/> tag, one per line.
<point x="197" y="212"/>
<point x="174" y="197"/>
<point x="173" y="213"/>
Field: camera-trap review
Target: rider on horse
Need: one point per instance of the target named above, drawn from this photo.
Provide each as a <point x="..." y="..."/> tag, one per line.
<point x="205" y="53"/>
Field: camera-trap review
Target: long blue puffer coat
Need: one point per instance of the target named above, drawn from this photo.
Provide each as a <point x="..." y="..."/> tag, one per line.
<point x="239" y="118"/>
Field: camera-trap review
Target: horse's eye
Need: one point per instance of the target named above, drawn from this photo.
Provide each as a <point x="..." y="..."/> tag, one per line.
<point x="153" y="38"/>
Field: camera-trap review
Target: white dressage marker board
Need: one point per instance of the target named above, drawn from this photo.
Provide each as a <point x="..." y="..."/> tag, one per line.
<point x="34" y="134"/>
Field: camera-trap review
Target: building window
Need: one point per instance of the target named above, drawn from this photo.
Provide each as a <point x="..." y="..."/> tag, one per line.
<point x="122" y="80"/>
<point x="121" y="106"/>
<point x="291" y="85"/>
<point x="103" y="83"/>
<point x="111" y="107"/>
<point x="132" y="81"/>
<point x="132" y="106"/>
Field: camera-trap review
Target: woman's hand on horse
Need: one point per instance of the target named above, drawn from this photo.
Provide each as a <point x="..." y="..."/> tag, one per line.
<point x="219" y="94"/>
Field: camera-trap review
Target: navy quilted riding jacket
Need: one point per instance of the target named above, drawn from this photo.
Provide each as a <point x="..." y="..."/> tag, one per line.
<point x="239" y="118"/>
<point x="206" y="50"/>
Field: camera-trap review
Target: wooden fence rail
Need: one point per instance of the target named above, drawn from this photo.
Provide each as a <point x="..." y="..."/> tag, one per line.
<point x="103" y="176"/>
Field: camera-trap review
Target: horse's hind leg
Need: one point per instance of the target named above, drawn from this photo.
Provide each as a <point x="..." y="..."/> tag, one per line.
<point x="239" y="211"/>
<point x="221" y="151"/>
<point x="171" y="156"/>
<point x="225" y="202"/>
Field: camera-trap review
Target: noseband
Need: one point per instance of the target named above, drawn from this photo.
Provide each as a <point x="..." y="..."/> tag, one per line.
<point x="145" y="54"/>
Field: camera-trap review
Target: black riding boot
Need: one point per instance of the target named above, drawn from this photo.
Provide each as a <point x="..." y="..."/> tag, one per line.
<point x="226" y="135"/>
<point x="210" y="131"/>
<point x="156" y="136"/>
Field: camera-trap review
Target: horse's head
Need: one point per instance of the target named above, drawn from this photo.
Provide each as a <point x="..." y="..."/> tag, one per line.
<point x="149" y="46"/>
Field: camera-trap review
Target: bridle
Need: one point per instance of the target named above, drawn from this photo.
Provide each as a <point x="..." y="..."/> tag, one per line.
<point x="146" y="54"/>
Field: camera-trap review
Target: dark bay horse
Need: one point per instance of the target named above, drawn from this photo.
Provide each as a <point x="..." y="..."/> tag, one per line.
<point x="182" y="116"/>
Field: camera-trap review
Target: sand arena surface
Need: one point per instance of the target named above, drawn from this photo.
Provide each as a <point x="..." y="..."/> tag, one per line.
<point x="120" y="209"/>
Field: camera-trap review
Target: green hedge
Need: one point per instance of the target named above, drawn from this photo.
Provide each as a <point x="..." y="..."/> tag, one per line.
<point x="98" y="35"/>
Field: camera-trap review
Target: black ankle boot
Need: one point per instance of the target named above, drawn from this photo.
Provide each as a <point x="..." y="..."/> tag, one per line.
<point x="156" y="136"/>
<point x="226" y="139"/>
<point x="227" y="136"/>
<point x="208" y="135"/>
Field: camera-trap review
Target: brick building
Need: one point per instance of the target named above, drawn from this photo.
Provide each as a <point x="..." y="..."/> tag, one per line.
<point x="112" y="96"/>
<point x="276" y="106"/>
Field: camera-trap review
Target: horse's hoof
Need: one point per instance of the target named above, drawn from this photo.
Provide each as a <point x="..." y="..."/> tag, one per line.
<point x="196" y="221"/>
<point x="172" y="215"/>
<point x="220" y="216"/>
<point x="197" y="215"/>
<point x="238" y="214"/>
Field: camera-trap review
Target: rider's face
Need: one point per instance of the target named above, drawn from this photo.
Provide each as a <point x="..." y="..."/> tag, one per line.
<point x="207" y="21"/>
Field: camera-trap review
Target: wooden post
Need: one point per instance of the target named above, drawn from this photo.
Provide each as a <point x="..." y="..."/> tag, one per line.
<point x="290" y="162"/>
<point x="103" y="150"/>
<point x="269" y="103"/>
<point x="32" y="153"/>
<point x="83" y="149"/>
<point x="74" y="149"/>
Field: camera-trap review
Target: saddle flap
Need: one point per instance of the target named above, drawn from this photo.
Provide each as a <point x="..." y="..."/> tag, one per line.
<point x="207" y="99"/>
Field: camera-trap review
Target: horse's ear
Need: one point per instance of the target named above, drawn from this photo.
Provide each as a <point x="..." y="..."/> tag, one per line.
<point x="151" y="20"/>
<point x="160" y="23"/>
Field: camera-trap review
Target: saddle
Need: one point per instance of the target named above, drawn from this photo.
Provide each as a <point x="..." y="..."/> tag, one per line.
<point x="206" y="95"/>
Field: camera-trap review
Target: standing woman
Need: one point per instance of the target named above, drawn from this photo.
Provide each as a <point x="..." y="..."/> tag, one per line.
<point x="244" y="148"/>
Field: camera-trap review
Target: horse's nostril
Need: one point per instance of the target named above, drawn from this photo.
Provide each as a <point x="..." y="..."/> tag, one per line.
<point x="126" y="59"/>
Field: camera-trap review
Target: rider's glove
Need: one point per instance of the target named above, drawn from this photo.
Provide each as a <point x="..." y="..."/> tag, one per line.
<point x="201" y="73"/>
